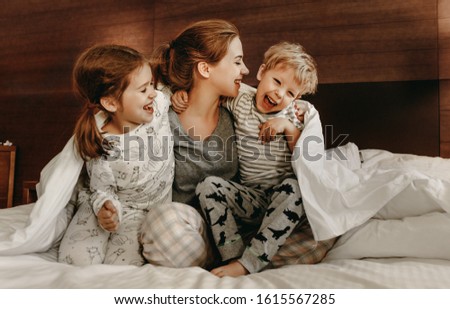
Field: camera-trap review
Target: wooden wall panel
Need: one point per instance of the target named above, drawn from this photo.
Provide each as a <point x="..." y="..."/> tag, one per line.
<point x="351" y="40"/>
<point x="444" y="99"/>
<point x="444" y="39"/>
<point x="39" y="50"/>
<point x="388" y="115"/>
<point x="39" y="125"/>
<point x="444" y="75"/>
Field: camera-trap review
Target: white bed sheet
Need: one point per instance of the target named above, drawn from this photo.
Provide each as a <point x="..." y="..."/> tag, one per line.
<point x="40" y="270"/>
<point x="37" y="271"/>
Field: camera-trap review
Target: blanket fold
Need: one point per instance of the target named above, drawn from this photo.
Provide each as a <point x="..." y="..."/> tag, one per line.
<point x="338" y="195"/>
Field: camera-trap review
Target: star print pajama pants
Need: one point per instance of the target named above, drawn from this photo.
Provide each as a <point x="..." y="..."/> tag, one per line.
<point x="232" y="210"/>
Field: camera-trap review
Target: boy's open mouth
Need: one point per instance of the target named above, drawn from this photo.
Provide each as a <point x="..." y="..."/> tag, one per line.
<point x="270" y="101"/>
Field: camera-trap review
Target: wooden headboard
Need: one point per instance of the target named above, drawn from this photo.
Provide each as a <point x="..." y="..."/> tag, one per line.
<point x="400" y="117"/>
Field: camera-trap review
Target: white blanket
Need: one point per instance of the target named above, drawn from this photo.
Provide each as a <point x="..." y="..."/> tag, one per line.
<point x="47" y="220"/>
<point x="340" y="194"/>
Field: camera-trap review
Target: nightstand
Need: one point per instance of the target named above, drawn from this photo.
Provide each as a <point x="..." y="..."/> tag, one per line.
<point x="7" y="166"/>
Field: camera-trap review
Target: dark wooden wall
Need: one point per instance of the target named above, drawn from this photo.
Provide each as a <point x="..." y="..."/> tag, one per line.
<point x="384" y="65"/>
<point x="444" y="75"/>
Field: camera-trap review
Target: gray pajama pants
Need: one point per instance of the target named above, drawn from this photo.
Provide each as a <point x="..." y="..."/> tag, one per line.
<point x="86" y="243"/>
<point x="232" y="209"/>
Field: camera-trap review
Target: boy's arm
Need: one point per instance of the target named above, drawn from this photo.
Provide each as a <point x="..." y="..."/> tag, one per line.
<point x="280" y="125"/>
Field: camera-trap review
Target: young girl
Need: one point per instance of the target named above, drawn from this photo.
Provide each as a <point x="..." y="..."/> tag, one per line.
<point x="128" y="153"/>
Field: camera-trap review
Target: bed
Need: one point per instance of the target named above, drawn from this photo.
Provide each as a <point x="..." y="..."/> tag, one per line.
<point x="389" y="213"/>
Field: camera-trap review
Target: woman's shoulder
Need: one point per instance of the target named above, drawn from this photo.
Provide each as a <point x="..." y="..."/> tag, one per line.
<point x="225" y="120"/>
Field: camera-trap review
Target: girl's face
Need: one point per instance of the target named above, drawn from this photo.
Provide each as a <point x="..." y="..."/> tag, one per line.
<point x="227" y="74"/>
<point x="277" y="89"/>
<point x="136" y="107"/>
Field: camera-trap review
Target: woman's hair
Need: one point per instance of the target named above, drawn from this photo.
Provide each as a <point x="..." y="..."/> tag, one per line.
<point x="174" y="63"/>
<point x="100" y="71"/>
<point x="294" y="56"/>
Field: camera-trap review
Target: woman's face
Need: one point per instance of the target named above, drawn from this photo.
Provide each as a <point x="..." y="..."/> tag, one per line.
<point x="227" y="74"/>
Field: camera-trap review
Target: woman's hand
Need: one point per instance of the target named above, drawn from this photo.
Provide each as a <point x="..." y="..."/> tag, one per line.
<point x="108" y="218"/>
<point x="179" y="101"/>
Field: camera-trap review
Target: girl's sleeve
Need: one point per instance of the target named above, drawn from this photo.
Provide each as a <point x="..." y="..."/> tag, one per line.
<point x="103" y="185"/>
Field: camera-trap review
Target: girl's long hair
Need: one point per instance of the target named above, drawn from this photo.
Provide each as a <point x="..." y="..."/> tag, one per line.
<point x="100" y="71"/>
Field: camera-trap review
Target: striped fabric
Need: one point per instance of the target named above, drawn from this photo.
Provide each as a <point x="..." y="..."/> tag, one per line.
<point x="260" y="164"/>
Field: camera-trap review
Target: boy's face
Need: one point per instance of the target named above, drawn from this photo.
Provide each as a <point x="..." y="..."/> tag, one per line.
<point x="277" y="88"/>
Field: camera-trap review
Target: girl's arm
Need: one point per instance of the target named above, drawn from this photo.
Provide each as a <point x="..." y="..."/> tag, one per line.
<point x="179" y="101"/>
<point x="105" y="202"/>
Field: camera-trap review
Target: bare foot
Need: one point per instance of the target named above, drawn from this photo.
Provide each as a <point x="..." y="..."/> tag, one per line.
<point x="234" y="269"/>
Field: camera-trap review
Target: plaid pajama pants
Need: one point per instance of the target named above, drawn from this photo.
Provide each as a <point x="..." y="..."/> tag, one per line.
<point x="175" y="235"/>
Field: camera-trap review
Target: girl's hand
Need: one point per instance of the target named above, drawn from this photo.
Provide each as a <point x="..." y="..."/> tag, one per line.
<point x="108" y="218"/>
<point x="179" y="101"/>
<point x="272" y="127"/>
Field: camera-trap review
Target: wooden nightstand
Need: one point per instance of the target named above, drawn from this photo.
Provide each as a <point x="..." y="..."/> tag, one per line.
<point x="7" y="167"/>
<point x="29" y="194"/>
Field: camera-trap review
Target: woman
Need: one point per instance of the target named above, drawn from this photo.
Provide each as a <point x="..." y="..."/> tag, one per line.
<point x="206" y="60"/>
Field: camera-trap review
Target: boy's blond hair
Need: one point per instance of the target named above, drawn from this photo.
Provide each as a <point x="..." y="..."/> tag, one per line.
<point x="294" y="56"/>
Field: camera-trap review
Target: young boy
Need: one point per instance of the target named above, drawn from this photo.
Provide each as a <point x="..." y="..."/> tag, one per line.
<point x="268" y="197"/>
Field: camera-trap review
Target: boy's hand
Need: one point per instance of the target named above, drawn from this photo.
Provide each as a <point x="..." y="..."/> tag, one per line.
<point x="272" y="127"/>
<point x="108" y="218"/>
<point x="299" y="113"/>
<point x="179" y="101"/>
